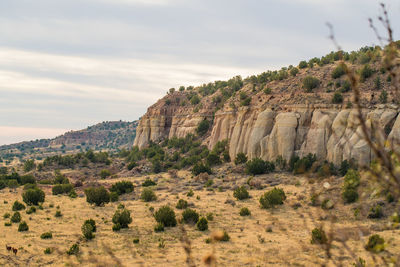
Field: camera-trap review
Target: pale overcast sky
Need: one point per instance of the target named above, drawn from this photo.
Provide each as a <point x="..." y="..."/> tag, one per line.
<point x="67" y="64"/>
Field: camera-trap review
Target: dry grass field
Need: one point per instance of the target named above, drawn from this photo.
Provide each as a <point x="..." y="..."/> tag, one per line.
<point x="274" y="237"/>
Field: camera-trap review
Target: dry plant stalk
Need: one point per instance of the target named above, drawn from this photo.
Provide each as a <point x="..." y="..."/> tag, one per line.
<point x="384" y="172"/>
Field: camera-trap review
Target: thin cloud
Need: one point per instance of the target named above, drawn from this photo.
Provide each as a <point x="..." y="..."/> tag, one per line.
<point x="140" y="2"/>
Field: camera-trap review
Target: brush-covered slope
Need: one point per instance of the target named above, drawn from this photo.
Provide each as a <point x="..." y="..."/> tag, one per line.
<point x="110" y="135"/>
<point x="293" y="111"/>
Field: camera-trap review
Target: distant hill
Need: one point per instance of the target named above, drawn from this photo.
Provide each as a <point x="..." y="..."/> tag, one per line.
<point x="109" y="135"/>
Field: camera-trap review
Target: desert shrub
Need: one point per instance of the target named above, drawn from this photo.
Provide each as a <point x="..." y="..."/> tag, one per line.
<point x="365" y="72"/>
<point x="159" y="227"/>
<point x="190" y="193"/>
<point x="18" y="206"/>
<point x="46" y="235"/>
<point x="58" y="214"/>
<point x="318" y="236"/>
<point x="31" y="210"/>
<point x="375" y="212"/>
<point x="272" y="198"/>
<point x="182" y="204"/>
<point x="29" y="165"/>
<point x="136" y="240"/>
<point x="225" y="156"/>
<point x="225" y="237"/>
<point x="60" y="178"/>
<point x="259" y="166"/>
<point x="376" y="243"/>
<point x="73" y="194"/>
<point x="243" y="95"/>
<point x="12" y="183"/>
<point x="131" y="165"/>
<point x="62" y="189"/>
<point x="92" y="223"/>
<point x="6" y="215"/>
<point x="209" y="182"/>
<point x="303" y="64"/>
<point x="346" y="86"/>
<point x="116" y="227"/>
<point x="190" y="216"/>
<point x="213" y="159"/>
<point x="294" y="71"/>
<point x="3" y="184"/>
<point x="302" y="165"/>
<point x="47" y="251"/>
<point x="389" y="197"/>
<point x="33" y="196"/>
<point x="244" y="212"/>
<point x="97" y="195"/>
<point x="210" y="216"/>
<point x="378" y="83"/>
<point x="351" y="183"/>
<point x="114" y="197"/>
<point x="383" y="97"/>
<point x="27" y="179"/>
<point x="352" y="179"/>
<point x="339" y="71"/>
<point x="148" y="182"/>
<point x="23" y="226"/>
<point x="156" y="166"/>
<point x="122" y="187"/>
<point x="240" y="158"/>
<point x="245" y="102"/>
<point x="46" y="181"/>
<point x="202" y="224"/>
<point x="350" y="195"/>
<point x="87" y="231"/>
<point x="104" y="173"/>
<point x="16" y="217"/>
<point x="122" y="217"/>
<point x="326" y="169"/>
<point x="148" y="195"/>
<point x="344" y="167"/>
<point x="267" y="90"/>
<point x="7" y="224"/>
<point x="73" y="250"/>
<point x="337" y="98"/>
<point x="200" y="168"/>
<point x="195" y="100"/>
<point x="202" y="128"/>
<point x="166" y="216"/>
<point x="30" y="186"/>
<point x="241" y="193"/>
<point x="309" y="83"/>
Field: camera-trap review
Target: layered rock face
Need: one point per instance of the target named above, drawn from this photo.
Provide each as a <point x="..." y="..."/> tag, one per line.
<point x="166" y="121"/>
<point x="279" y="118"/>
<point x="328" y="131"/>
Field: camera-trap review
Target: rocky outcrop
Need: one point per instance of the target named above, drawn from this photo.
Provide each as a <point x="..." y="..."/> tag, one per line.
<point x="328" y="131"/>
<point x="279" y="122"/>
<point x="166" y="121"/>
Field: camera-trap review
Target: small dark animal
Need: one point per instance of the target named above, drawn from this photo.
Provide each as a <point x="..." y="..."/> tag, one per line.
<point x="15" y="251"/>
<point x="8" y="248"/>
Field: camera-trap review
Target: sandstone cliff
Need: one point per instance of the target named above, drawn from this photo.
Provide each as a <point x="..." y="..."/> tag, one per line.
<point x="284" y="122"/>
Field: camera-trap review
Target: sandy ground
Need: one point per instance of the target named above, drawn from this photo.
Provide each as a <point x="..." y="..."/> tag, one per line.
<point x="287" y="243"/>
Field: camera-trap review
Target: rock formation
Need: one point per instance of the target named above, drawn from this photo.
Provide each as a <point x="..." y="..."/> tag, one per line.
<point x="283" y="123"/>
